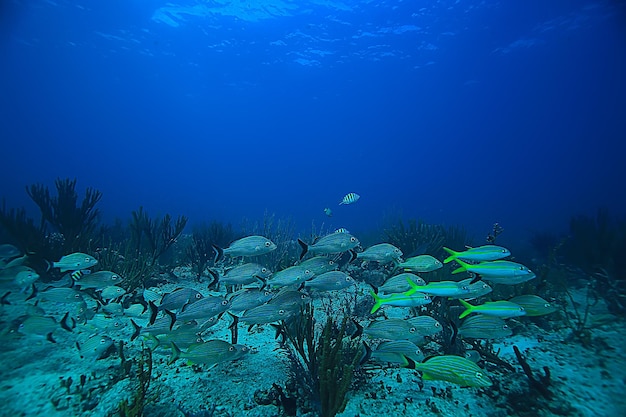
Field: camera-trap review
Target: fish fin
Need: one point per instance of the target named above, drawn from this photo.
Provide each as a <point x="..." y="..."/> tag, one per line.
<point x="64" y="322"/>
<point x="359" y="330"/>
<point x="410" y="363"/>
<point x="172" y="316"/>
<point x="378" y="302"/>
<point x="475" y="279"/>
<point x="427" y="377"/>
<point x="468" y="308"/>
<point x="452" y="256"/>
<point x="155" y="340"/>
<point x="215" y="280"/>
<point x="462" y="268"/>
<point x="154" y="310"/>
<point x="3" y="300"/>
<point x="367" y="355"/>
<point x="305" y="248"/>
<point x="137" y="330"/>
<point x="413" y="285"/>
<point x="175" y="354"/>
<point x="219" y="253"/>
<point x="32" y="294"/>
<point x="50" y="338"/>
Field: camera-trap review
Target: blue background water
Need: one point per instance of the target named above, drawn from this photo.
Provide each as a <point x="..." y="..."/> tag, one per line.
<point x="456" y="112"/>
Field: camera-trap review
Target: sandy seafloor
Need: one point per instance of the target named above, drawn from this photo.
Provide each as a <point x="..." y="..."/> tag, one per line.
<point x="585" y="381"/>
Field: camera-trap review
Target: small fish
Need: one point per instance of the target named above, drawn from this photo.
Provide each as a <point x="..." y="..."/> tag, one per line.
<point x="328" y="212"/>
<point x="8" y="251"/>
<point x="495" y="269"/>
<point x="211" y="352"/>
<point x="290" y="298"/>
<point x="61" y="295"/>
<point x="397" y="351"/>
<point x="332" y="243"/>
<point x="115" y="309"/>
<point x="534" y="305"/>
<point x="481" y="253"/>
<point x="178" y="298"/>
<point x="330" y="281"/>
<point x="439" y="288"/>
<point x="454" y="369"/>
<point x="25" y="279"/>
<point x="420" y="263"/>
<point x="400" y="283"/>
<point x="245" y="274"/>
<point x="95" y="347"/>
<point x="98" y="280"/>
<point x="484" y="327"/>
<point x="414" y="299"/>
<point x="184" y="337"/>
<point x="350" y="198"/>
<point x="504" y="309"/>
<point x="249" y="298"/>
<point x="75" y="262"/>
<point x="342" y="230"/>
<point x="247" y="246"/>
<point x="103" y="322"/>
<point x="425" y="325"/>
<point x="382" y="253"/>
<point x="42" y="326"/>
<point x="319" y="264"/>
<point x="293" y="275"/>
<point x="392" y="329"/>
<point x="269" y="313"/>
<point x="203" y="309"/>
<point x="112" y="292"/>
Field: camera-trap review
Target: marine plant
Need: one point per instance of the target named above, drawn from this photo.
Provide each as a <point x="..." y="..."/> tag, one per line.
<point x="199" y="252"/>
<point x="75" y="222"/>
<point x="417" y="237"/>
<point x="141" y="397"/>
<point x="134" y="267"/>
<point x="329" y="360"/>
<point x="22" y="231"/>
<point x="538" y="383"/>
<point x="155" y="236"/>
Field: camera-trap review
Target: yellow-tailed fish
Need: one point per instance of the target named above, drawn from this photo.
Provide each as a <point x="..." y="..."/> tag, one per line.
<point x="504" y="309"/>
<point x="495" y="269"/>
<point x="397" y="351"/>
<point x="414" y="299"/>
<point x="480" y="253"/>
<point x="439" y="288"/>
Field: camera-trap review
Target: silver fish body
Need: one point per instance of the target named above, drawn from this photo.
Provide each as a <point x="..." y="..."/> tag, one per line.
<point x="484" y="327"/>
<point x="392" y="329"/>
<point x="211" y="352"/>
<point x="204" y="309"/>
<point x="245" y="274"/>
<point x="332" y="243"/>
<point x="179" y="298"/>
<point x="95" y="347"/>
<point x="293" y="275"/>
<point x="319" y="264"/>
<point x="400" y="283"/>
<point x="330" y="281"/>
<point x="99" y="280"/>
<point x="382" y="253"/>
<point x="247" y="246"/>
<point x="75" y="262"/>
<point x="249" y="298"/>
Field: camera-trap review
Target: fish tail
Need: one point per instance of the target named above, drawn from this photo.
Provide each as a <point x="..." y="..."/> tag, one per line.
<point x="367" y="354"/>
<point x="468" y="308"/>
<point x="154" y="310"/>
<point x="219" y="253"/>
<point x="359" y="330"/>
<point x="452" y="256"/>
<point x="305" y="248"/>
<point x="137" y="330"/>
<point x="216" y="279"/>
<point x="64" y="324"/>
<point x="154" y="340"/>
<point x="462" y="268"/>
<point x="3" y="300"/>
<point x="175" y="354"/>
<point x="378" y="304"/>
<point x="353" y="255"/>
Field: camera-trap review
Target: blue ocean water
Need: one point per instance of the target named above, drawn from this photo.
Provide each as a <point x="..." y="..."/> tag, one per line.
<point x="455" y="123"/>
<point x="456" y="112"/>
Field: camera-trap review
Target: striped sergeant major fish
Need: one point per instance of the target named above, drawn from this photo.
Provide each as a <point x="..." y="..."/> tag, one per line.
<point x="350" y="198"/>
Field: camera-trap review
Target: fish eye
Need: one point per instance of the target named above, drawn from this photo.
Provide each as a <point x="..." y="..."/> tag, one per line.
<point x="267" y="244"/>
<point x="266" y="293"/>
<point x="198" y="296"/>
<point x="547" y="305"/>
<point x="199" y="340"/>
<point x="505" y="327"/>
<point x="307" y="272"/>
<point x="479" y="374"/>
<point x="331" y="262"/>
<point x="264" y="270"/>
<point x="225" y="302"/>
<point x="437" y="324"/>
<point x="86" y="259"/>
<point x="503" y="251"/>
<point x="412" y="330"/>
<point x="353" y="239"/>
<point x="103" y="341"/>
<point x="115" y="277"/>
<point x="281" y="311"/>
<point x="231" y="349"/>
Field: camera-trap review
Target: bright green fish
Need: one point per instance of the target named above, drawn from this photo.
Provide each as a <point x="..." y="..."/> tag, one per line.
<point x="481" y="253"/>
<point x="421" y="263"/>
<point x="504" y="309"/>
<point x="495" y="269"/>
<point x="534" y="305"/>
<point x="414" y="299"/>
<point x="439" y="288"/>
<point x="454" y="369"/>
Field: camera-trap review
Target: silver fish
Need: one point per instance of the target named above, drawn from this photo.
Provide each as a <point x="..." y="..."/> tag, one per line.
<point x="247" y="246"/>
<point x="332" y="243"/>
<point x="98" y="280"/>
<point x="382" y="253"/>
<point x="249" y="298"/>
<point x="421" y="263"/>
<point x="245" y="274"/>
<point x="75" y="262"/>
<point x="392" y="329"/>
<point x="61" y="295"/>
<point x="396" y="351"/>
<point x="179" y="298"/>
<point x="293" y="275"/>
<point x="210" y="352"/>
<point x="112" y="292"/>
<point x="484" y="327"/>
<point x="319" y="264"/>
<point x="329" y="281"/>
<point x="425" y="325"/>
<point x="204" y="309"/>
<point x="95" y="347"/>
<point x="399" y="283"/>
<point x="268" y="313"/>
